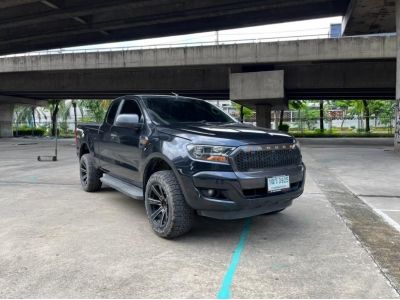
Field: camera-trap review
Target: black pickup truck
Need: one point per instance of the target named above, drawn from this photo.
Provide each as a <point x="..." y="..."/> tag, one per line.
<point x="184" y="156"/>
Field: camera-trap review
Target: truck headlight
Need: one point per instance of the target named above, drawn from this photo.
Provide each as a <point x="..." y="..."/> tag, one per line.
<point x="210" y="153"/>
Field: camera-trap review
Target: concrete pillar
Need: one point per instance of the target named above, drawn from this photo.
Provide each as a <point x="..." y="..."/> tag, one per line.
<point x="6" y="117"/>
<point x="263" y="115"/>
<point x="397" y="130"/>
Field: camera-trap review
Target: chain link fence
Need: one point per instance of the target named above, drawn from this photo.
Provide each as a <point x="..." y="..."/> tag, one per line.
<point x="299" y="124"/>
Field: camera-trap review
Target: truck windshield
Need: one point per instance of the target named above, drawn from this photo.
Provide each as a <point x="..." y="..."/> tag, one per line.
<point x="167" y="110"/>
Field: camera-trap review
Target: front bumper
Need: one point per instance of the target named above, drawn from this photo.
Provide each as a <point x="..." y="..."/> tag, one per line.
<point x="242" y="194"/>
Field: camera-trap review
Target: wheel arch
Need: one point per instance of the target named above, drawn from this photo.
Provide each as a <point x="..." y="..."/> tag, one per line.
<point x="84" y="149"/>
<point x="158" y="162"/>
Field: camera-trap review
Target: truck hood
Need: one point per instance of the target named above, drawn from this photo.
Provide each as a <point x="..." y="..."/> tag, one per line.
<point x="232" y="134"/>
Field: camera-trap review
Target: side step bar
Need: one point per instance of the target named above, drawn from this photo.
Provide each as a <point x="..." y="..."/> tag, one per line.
<point x="126" y="188"/>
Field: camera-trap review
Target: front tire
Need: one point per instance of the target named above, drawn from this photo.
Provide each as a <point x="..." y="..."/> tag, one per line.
<point x="89" y="174"/>
<point x="166" y="208"/>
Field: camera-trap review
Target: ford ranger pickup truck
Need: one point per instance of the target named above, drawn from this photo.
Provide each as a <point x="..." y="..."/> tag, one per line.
<point x="184" y="156"/>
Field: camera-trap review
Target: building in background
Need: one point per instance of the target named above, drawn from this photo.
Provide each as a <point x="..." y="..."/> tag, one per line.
<point x="335" y="31"/>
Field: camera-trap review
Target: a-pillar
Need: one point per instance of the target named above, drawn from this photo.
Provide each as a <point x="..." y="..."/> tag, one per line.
<point x="263" y="115"/>
<point x="6" y="117"/>
<point x="397" y="129"/>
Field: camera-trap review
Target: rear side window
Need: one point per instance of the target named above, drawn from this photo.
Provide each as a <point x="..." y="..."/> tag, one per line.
<point x="112" y="112"/>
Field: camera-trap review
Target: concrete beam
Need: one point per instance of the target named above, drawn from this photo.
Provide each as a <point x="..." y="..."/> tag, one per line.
<point x="6" y="117"/>
<point x="341" y="75"/>
<point x="339" y="80"/>
<point x="70" y="12"/>
<point x="369" y="16"/>
<point x="257" y="85"/>
<point x="112" y="83"/>
<point x="344" y="49"/>
<point x="20" y="100"/>
<point x="257" y="89"/>
<point x="12" y="3"/>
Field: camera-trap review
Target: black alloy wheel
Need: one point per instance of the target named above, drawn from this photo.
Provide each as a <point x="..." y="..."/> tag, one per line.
<point x="158" y="206"/>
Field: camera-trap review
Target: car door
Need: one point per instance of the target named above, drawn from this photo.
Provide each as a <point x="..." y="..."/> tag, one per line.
<point x="124" y="143"/>
<point x="104" y="151"/>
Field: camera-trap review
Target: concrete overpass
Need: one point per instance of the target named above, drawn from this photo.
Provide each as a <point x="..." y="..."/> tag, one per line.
<point x="354" y="67"/>
<point x="347" y="68"/>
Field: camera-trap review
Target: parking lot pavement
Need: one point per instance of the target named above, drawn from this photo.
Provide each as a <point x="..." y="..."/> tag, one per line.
<point x="58" y="241"/>
<point x="369" y="168"/>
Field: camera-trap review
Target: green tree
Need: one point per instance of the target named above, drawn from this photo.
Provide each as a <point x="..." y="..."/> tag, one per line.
<point x="297" y="105"/>
<point x="96" y="109"/>
<point x="27" y="115"/>
<point x="344" y="105"/>
<point x="310" y="116"/>
<point x="23" y="114"/>
<point x="382" y="110"/>
<point x="247" y="112"/>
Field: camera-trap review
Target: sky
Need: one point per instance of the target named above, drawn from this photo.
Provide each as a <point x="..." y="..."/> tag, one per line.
<point x="316" y="28"/>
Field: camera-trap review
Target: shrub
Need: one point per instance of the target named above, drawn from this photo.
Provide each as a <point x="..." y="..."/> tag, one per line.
<point x="25" y="131"/>
<point x="284" y="127"/>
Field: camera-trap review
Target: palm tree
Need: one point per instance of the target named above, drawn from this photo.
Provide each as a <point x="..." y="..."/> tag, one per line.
<point x="23" y="114"/>
<point x="65" y="109"/>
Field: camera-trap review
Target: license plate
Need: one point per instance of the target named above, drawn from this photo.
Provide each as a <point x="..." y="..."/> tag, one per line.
<point x="278" y="183"/>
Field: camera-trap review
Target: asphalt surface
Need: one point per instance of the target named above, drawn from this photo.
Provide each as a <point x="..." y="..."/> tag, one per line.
<point x="60" y="242"/>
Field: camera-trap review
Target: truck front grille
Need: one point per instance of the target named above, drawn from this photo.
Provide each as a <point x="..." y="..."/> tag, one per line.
<point x="251" y="160"/>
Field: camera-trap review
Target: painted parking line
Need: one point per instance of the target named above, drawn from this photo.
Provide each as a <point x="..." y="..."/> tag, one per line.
<point x="225" y="290"/>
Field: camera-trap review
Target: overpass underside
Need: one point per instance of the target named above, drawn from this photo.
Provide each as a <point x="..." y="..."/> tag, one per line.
<point x="28" y="25"/>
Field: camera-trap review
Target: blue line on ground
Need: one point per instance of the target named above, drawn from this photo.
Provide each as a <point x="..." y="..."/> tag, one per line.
<point x="225" y="290"/>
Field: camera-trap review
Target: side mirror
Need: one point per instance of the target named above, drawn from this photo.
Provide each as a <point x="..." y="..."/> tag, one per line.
<point x="128" y="121"/>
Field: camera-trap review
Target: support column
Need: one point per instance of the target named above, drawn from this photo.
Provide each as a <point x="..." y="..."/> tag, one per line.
<point x="6" y="118"/>
<point x="397" y="125"/>
<point x="263" y="115"/>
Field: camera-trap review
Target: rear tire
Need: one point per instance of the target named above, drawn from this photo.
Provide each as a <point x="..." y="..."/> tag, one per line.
<point x="89" y="174"/>
<point x="168" y="213"/>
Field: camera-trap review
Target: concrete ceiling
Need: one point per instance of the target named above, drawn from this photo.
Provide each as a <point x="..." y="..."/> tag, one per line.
<point x="28" y="25"/>
<point x="370" y="16"/>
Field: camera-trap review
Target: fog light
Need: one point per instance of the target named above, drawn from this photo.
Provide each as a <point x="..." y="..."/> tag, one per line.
<point x="211" y="193"/>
